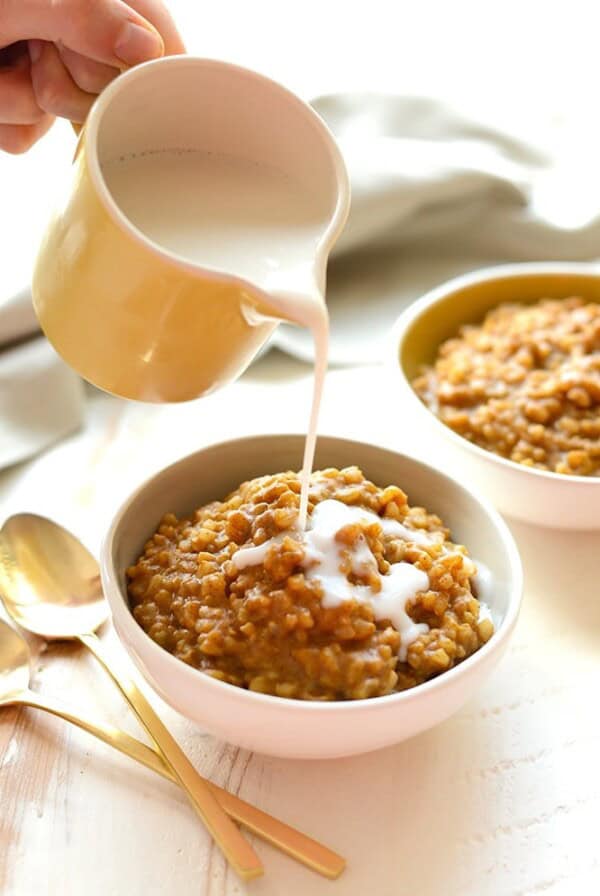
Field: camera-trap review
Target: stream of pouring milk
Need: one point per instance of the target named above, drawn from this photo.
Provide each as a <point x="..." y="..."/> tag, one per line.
<point x="246" y="219"/>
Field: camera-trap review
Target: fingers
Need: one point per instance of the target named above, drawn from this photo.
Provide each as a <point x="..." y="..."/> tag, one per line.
<point x="90" y="76"/>
<point x="94" y="76"/>
<point x="158" y="15"/>
<point x="108" y="31"/>
<point x="76" y="47"/>
<point x="18" y="104"/>
<point x="55" y="90"/>
<point x="18" y="138"/>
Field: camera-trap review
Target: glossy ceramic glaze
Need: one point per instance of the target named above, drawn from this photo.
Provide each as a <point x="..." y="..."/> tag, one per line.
<point x="295" y="728"/>
<point x="536" y="496"/>
<point x="140" y="321"/>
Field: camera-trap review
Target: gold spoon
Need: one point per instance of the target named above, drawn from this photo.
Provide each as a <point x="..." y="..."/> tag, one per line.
<point x="15" y="662"/>
<point x="50" y="584"/>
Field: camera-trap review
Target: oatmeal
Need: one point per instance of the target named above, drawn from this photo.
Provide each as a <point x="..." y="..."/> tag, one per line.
<point x="372" y="598"/>
<point x="524" y="384"/>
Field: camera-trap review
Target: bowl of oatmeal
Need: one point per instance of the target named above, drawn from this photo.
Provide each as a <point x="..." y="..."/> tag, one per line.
<point x="501" y="370"/>
<point x="375" y="622"/>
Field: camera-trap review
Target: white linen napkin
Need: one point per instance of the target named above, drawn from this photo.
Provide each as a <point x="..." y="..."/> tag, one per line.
<point x="434" y="194"/>
<point x="41" y="399"/>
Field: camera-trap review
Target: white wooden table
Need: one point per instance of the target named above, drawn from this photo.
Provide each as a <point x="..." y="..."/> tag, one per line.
<point x="501" y="800"/>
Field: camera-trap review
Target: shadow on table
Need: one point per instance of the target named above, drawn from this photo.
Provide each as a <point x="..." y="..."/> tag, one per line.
<point x="562" y="580"/>
<point x="274" y="365"/>
<point x="405" y="818"/>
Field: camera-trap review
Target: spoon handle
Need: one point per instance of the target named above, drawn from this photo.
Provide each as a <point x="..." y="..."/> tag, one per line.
<point x="237" y="850"/>
<point x="290" y="841"/>
<point x="106" y="733"/>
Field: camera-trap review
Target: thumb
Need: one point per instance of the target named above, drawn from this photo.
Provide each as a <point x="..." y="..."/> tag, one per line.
<point x="108" y="31"/>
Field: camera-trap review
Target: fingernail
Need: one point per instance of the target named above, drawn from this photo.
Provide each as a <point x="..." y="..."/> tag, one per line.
<point x="35" y="49"/>
<point x="136" y="44"/>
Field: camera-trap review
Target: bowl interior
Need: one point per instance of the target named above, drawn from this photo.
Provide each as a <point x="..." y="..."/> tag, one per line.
<point x="215" y="471"/>
<point x="468" y="303"/>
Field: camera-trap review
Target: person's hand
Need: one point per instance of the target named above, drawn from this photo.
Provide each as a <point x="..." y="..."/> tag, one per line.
<point x="57" y="55"/>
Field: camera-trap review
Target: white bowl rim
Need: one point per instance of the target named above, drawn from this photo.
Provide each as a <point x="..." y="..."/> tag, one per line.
<point x="435" y="295"/>
<point x="332" y="227"/>
<point x="374" y="704"/>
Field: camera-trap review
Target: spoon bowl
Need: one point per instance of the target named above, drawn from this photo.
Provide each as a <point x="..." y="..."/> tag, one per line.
<point x="49" y="581"/>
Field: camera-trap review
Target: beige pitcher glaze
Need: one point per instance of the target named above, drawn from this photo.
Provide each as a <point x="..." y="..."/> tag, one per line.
<point x="132" y="317"/>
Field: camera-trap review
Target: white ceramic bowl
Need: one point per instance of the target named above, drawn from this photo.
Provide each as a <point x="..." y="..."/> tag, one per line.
<point x="536" y="496"/>
<point x="295" y="728"/>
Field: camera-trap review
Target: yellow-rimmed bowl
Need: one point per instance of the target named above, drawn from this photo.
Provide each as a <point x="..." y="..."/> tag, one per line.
<point x="525" y="493"/>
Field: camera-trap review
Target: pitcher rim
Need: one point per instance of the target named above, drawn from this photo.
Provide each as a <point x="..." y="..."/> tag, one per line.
<point x="332" y="229"/>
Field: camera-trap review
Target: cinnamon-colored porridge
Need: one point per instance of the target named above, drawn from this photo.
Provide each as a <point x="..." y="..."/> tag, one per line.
<point x="238" y="591"/>
<point x="525" y="384"/>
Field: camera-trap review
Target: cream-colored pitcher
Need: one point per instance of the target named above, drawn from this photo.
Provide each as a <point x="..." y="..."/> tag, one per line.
<point x="142" y="317"/>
